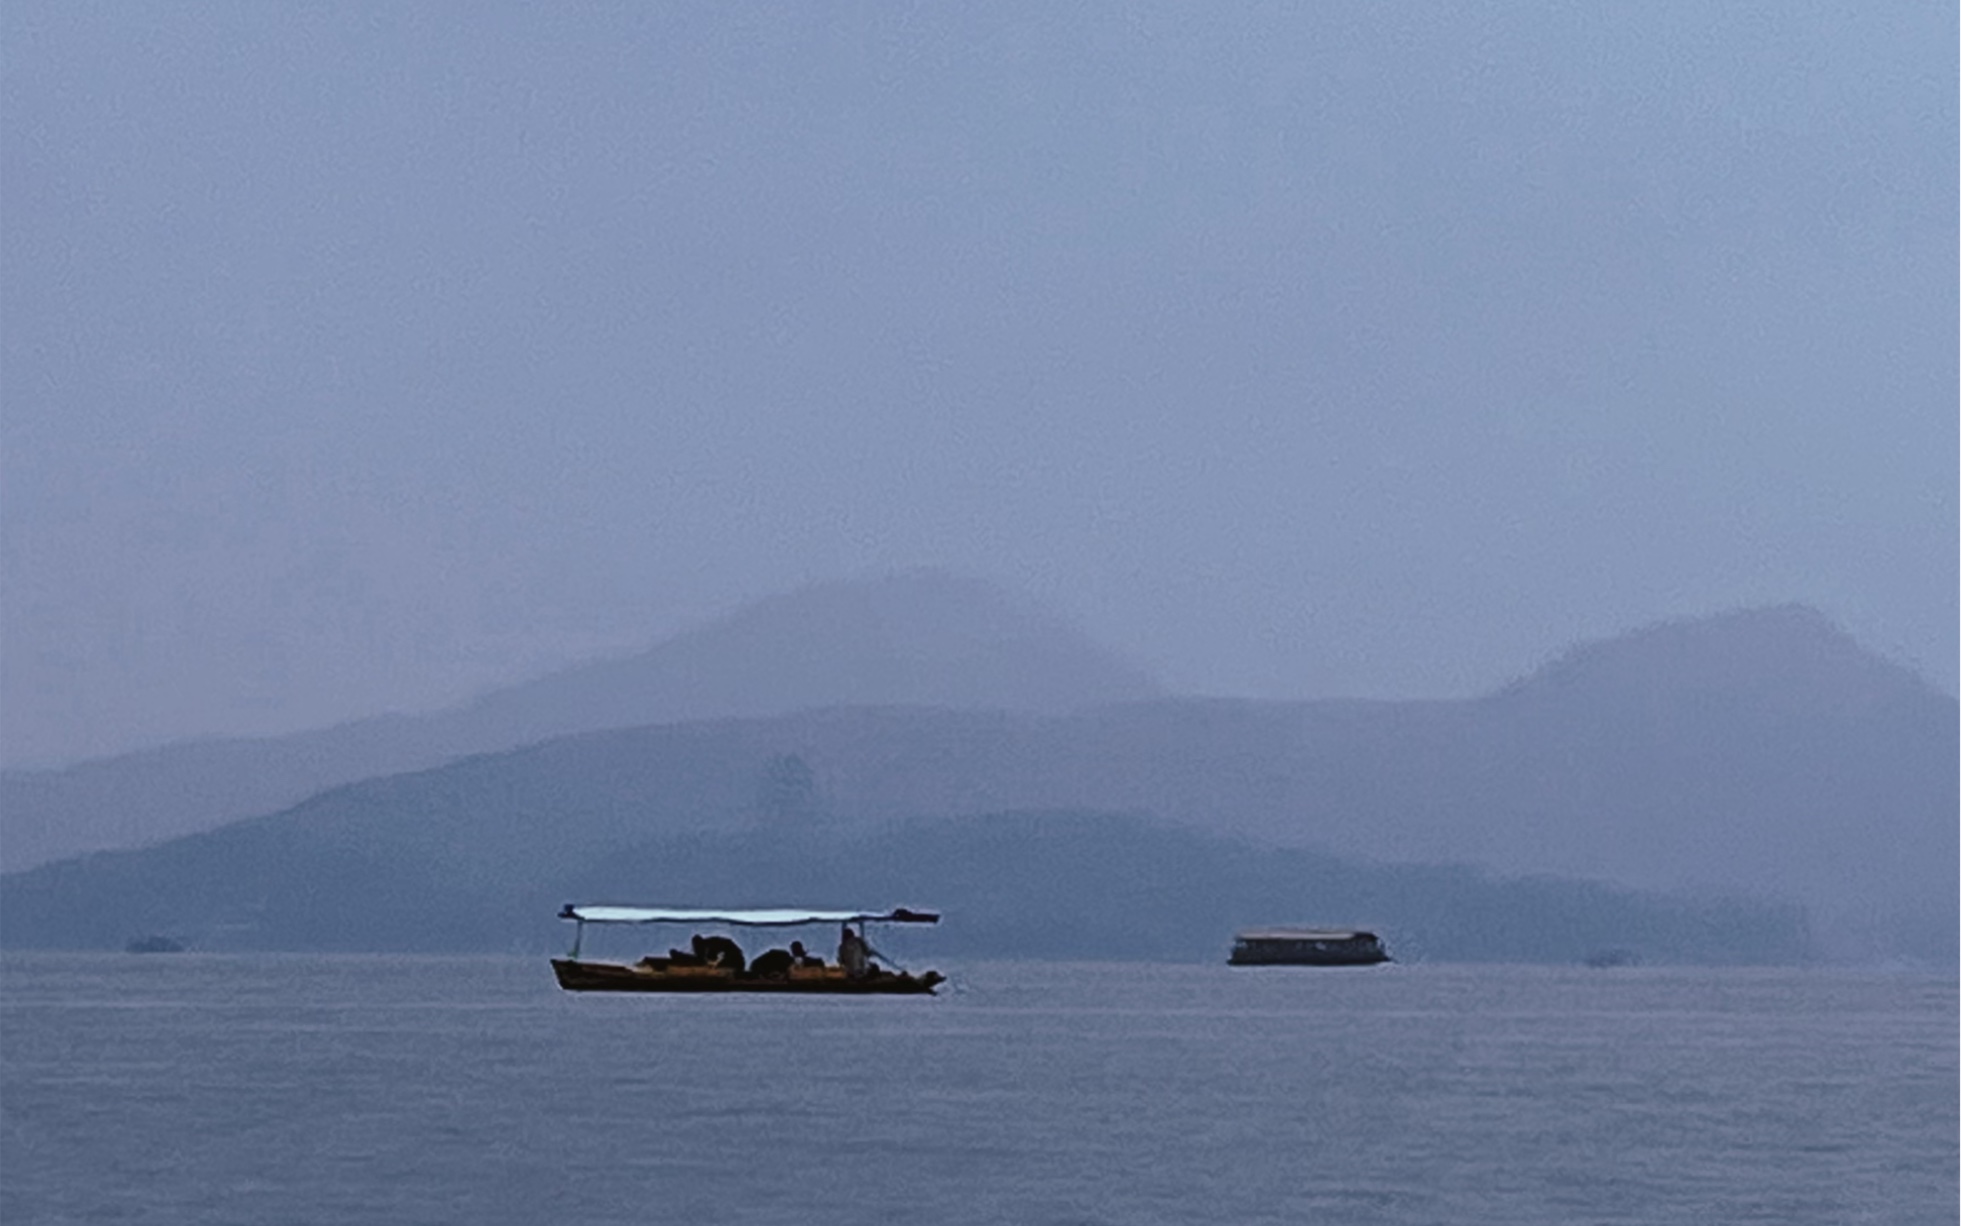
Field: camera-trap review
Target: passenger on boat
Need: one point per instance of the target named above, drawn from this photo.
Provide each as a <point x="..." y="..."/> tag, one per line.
<point x="719" y="951"/>
<point x="853" y="954"/>
<point x="801" y="958"/>
<point x="698" y="944"/>
<point x="772" y="964"/>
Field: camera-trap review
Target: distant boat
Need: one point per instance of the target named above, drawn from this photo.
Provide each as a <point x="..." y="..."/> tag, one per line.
<point x="1307" y="947"/>
<point x="719" y="965"/>
<point x="1602" y="959"/>
<point x="154" y="944"/>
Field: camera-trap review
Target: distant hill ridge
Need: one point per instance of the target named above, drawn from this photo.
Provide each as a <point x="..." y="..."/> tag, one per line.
<point x="1012" y="885"/>
<point x="1792" y="649"/>
<point x="1687" y="756"/>
<point x="919" y="637"/>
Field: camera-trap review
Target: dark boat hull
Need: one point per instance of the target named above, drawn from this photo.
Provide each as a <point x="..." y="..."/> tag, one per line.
<point x="1329" y="958"/>
<point x="1307" y="948"/>
<point x="575" y="976"/>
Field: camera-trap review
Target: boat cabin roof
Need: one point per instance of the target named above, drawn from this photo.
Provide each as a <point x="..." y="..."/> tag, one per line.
<point x="1304" y="934"/>
<point x="765" y="917"/>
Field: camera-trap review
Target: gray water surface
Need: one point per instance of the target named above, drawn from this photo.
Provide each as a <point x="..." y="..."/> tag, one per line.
<point x="208" y="1089"/>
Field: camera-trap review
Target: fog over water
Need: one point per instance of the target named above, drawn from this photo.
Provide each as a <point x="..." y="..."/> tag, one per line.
<point x="358" y="358"/>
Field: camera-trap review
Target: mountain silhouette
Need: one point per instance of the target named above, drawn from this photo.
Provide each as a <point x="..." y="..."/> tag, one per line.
<point x="1020" y="885"/>
<point x="1760" y="753"/>
<point x="919" y="637"/>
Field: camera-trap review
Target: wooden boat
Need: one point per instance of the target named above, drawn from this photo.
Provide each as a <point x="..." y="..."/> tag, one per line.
<point x="684" y="973"/>
<point x="576" y="976"/>
<point x="1307" y="947"/>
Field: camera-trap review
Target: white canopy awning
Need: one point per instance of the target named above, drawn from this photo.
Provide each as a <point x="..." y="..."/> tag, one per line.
<point x="763" y="918"/>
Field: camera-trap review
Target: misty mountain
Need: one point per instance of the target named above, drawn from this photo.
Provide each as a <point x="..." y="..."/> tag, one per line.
<point x="920" y="637"/>
<point x="1053" y="885"/>
<point x="1760" y="752"/>
<point x="1764" y="749"/>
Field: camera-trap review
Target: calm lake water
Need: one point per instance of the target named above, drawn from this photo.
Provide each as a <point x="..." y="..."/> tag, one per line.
<point x="208" y="1089"/>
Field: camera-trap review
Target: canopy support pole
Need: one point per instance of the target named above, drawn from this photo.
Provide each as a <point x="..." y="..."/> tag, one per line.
<point x="578" y="938"/>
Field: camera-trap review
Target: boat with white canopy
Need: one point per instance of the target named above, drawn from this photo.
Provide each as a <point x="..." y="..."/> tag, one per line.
<point x="718" y="964"/>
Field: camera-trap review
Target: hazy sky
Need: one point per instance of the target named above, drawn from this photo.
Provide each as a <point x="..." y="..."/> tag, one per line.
<point x="355" y="357"/>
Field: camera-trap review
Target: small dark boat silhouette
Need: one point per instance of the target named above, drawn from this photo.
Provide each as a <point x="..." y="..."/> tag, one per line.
<point x="154" y="944"/>
<point x="1307" y="947"/>
<point x="1602" y="959"/>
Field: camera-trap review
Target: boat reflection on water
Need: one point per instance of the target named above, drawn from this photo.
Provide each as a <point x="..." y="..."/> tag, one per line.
<point x="717" y="964"/>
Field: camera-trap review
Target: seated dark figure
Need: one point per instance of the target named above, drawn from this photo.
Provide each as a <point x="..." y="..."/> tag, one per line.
<point x="799" y="958"/>
<point x="720" y="951"/>
<point x="773" y="964"/>
<point x="854" y="955"/>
